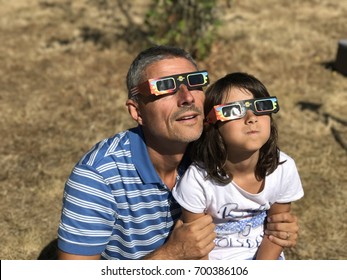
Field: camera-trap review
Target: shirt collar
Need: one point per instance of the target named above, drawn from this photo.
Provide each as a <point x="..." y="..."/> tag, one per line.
<point x="140" y="156"/>
<point x="142" y="161"/>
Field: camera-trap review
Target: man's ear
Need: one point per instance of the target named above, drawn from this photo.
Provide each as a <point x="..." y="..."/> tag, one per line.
<point x="134" y="111"/>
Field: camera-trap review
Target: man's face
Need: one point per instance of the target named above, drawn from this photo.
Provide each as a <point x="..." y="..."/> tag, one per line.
<point x="174" y="118"/>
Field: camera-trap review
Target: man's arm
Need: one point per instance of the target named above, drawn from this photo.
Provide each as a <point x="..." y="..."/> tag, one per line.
<point x="187" y="241"/>
<point x="66" y="256"/>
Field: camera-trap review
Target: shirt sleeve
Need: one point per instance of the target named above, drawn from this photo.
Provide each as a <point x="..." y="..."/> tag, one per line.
<point x="291" y="186"/>
<point x="88" y="213"/>
<point x="190" y="190"/>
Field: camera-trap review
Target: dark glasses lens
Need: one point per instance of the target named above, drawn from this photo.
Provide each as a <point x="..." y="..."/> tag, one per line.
<point x="196" y="79"/>
<point x="264" y="105"/>
<point x="166" y="84"/>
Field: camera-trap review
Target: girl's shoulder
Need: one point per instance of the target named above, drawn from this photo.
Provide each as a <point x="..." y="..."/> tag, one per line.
<point x="197" y="168"/>
<point x="285" y="157"/>
<point x="287" y="162"/>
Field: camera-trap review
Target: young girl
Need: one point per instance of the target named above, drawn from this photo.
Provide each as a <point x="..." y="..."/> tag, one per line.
<point x="239" y="175"/>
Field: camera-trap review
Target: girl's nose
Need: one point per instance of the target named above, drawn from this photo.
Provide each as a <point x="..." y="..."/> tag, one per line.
<point x="251" y="117"/>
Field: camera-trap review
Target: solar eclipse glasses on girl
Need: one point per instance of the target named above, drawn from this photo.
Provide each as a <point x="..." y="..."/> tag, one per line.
<point x="237" y="110"/>
<point x="171" y="84"/>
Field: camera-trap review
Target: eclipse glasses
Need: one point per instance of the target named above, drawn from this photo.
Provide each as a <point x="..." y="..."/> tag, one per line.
<point x="237" y="110"/>
<point x="171" y="84"/>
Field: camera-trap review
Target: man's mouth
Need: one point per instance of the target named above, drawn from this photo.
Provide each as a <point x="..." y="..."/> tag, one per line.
<point x="187" y="117"/>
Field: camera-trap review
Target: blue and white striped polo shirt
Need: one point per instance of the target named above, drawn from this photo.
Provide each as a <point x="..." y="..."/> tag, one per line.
<point x="115" y="203"/>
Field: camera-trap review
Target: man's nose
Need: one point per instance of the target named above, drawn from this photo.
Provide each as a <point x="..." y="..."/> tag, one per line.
<point x="185" y="96"/>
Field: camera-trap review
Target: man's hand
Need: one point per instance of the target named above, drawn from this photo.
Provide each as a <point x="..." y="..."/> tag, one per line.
<point x="188" y="241"/>
<point x="283" y="229"/>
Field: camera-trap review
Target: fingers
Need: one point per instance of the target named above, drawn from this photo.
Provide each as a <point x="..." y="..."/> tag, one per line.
<point x="284" y="235"/>
<point x="282" y="227"/>
<point x="284" y="222"/>
<point x="285" y="217"/>
<point x="192" y="240"/>
<point x="283" y="241"/>
<point x="203" y="229"/>
<point x="282" y="238"/>
<point x="202" y="222"/>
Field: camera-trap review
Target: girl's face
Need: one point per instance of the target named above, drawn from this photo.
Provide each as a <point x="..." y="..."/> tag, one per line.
<point x="246" y="135"/>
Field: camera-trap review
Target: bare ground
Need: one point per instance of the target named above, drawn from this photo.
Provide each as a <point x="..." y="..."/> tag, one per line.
<point x="62" y="88"/>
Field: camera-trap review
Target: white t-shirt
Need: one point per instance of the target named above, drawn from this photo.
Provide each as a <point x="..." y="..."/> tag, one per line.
<point x="239" y="216"/>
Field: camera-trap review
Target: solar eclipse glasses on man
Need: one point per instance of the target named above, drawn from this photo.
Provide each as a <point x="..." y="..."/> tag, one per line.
<point x="171" y="84"/>
<point x="237" y="110"/>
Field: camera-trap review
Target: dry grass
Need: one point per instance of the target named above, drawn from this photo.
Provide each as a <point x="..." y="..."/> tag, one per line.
<point x="61" y="92"/>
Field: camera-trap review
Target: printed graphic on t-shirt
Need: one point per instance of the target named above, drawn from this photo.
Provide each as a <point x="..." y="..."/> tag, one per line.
<point x="244" y="228"/>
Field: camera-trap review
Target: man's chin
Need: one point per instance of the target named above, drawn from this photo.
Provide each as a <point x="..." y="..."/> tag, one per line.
<point x="188" y="135"/>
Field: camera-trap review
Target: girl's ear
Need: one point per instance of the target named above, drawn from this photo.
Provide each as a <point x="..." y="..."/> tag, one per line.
<point x="134" y="111"/>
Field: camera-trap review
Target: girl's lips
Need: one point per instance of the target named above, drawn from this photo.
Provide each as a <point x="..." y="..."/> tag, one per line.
<point x="253" y="132"/>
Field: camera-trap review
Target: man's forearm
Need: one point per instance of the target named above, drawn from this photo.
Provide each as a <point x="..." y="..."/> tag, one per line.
<point x="161" y="253"/>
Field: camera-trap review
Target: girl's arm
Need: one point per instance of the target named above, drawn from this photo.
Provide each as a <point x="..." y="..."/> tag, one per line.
<point x="188" y="217"/>
<point x="267" y="249"/>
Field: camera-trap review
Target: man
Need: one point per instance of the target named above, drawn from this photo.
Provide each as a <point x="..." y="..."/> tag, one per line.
<point x="117" y="201"/>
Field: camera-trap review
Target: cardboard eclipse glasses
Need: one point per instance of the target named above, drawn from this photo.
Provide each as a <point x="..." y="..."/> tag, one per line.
<point x="171" y="84"/>
<point x="237" y="110"/>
